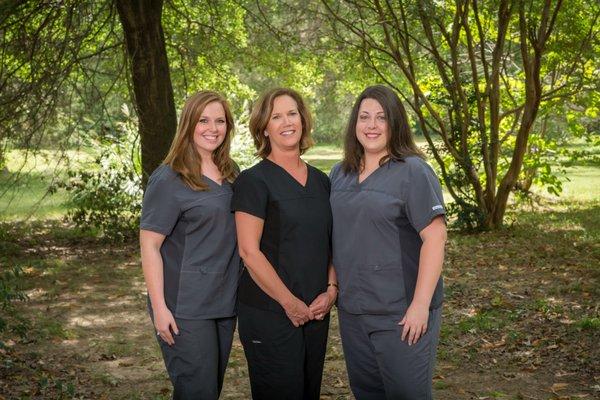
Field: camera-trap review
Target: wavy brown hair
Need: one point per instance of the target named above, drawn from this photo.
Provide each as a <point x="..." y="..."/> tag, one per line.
<point x="183" y="157"/>
<point x="261" y="113"/>
<point x="400" y="143"/>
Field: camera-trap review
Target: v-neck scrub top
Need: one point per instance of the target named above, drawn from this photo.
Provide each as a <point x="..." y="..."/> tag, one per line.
<point x="376" y="242"/>
<point x="201" y="265"/>
<point x="296" y="232"/>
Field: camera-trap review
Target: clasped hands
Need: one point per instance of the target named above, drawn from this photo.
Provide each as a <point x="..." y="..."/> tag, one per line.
<point x="299" y="313"/>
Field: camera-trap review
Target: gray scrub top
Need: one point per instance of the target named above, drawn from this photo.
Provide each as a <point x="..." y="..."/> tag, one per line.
<point x="375" y="240"/>
<point x="201" y="265"/>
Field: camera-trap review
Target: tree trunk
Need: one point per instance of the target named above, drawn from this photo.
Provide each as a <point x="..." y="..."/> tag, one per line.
<point x="144" y="37"/>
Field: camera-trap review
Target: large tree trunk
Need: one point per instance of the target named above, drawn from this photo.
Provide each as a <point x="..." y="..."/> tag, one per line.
<point x="141" y="21"/>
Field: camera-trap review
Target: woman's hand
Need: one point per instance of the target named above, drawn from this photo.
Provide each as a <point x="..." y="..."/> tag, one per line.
<point x="165" y="324"/>
<point x="322" y="304"/>
<point x="415" y="322"/>
<point x="298" y="312"/>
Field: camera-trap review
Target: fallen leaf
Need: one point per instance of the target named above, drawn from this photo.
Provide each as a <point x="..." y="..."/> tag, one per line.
<point x="559" y="386"/>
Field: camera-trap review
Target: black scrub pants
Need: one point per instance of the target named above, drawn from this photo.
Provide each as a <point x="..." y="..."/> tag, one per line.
<point x="284" y="362"/>
<point x="196" y="362"/>
<point x="380" y="365"/>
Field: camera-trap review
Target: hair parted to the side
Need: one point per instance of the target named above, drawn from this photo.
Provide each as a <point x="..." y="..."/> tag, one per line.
<point x="261" y="113"/>
<point x="400" y="144"/>
<point x="183" y="156"/>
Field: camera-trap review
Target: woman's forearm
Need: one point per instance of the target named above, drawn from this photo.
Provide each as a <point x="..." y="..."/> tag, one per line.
<point x="331" y="275"/>
<point x="152" y="266"/>
<point x="263" y="273"/>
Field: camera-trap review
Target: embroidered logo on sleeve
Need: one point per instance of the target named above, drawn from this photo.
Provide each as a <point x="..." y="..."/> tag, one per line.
<point x="438" y="207"/>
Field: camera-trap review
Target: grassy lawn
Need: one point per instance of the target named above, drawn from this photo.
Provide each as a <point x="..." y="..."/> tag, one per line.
<point x="24" y="186"/>
<point x="521" y="318"/>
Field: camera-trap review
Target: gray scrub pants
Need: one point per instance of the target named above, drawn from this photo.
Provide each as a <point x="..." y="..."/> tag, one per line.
<point x="196" y="362"/>
<point x="382" y="366"/>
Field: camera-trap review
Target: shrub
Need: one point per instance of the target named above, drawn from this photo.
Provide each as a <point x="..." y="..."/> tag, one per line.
<point x="106" y="194"/>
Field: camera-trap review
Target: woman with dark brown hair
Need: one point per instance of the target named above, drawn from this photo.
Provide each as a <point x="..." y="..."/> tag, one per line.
<point x="283" y="221"/>
<point x="188" y="246"/>
<point x="388" y="249"/>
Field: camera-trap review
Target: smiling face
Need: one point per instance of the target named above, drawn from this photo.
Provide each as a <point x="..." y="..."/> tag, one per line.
<point x="372" y="129"/>
<point x="210" y="129"/>
<point x="285" y="124"/>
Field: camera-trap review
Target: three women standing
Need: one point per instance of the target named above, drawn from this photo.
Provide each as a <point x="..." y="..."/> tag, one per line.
<point x="387" y="242"/>
<point x="189" y="253"/>
<point x="388" y="248"/>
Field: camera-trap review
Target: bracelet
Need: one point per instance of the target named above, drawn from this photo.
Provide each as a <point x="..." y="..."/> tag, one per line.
<point x="335" y="285"/>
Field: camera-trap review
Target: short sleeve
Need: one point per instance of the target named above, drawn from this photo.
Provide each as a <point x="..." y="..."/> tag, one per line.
<point x="160" y="209"/>
<point x="424" y="199"/>
<point x="250" y="195"/>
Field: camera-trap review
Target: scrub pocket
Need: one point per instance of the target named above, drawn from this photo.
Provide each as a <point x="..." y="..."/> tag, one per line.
<point x="198" y="290"/>
<point x="382" y="289"/>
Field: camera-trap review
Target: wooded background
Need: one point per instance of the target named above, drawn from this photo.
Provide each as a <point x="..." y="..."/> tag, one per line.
<point x="502" y="95"/>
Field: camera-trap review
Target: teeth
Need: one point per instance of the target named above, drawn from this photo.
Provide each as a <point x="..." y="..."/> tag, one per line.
<point x="287" y="133"/>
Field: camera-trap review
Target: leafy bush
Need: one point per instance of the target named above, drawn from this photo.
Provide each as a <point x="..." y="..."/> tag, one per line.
<point x="106" y="194"/>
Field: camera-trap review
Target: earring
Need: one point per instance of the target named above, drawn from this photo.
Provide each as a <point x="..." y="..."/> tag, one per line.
<point x="266" y="133"/>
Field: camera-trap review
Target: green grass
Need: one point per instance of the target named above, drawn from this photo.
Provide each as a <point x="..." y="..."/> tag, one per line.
<point x="25" y="182"/>
<point x="323" y="157"/>
<point x="583" y="183"/>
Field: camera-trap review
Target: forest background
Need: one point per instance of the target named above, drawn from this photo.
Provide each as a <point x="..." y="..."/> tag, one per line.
<point x="502" y="95"/>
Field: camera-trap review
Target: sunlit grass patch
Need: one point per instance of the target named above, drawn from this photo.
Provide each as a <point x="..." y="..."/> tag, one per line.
<point x="589" y="323"/>
<point x="486" y="320"/>
<point x="24" y="187"/>
<point x="323" y="157"/>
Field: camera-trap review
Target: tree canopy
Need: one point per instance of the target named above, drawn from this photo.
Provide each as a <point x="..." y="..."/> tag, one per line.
<point x="490" y="85"/>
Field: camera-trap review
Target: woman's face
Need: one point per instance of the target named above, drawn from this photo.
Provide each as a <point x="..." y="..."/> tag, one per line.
<point x="211" y="128"/>
<point x="372" y="129"/>
<point x="285" y="124"/>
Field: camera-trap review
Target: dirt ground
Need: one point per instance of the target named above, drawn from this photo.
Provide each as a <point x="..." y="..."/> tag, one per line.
<point x="521" y="317"/>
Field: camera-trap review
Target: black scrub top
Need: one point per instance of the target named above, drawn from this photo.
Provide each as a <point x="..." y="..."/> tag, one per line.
<point x="201" y="265"/>
<point x="376" y="242"/>
<point x="296" y="233"/>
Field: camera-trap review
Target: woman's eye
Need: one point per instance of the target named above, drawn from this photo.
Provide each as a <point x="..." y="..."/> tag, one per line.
<point x="203" y="120"/>
<point x="275" y="117"/>
<point x="381" y="118"/>
<point x="363" y="117"/>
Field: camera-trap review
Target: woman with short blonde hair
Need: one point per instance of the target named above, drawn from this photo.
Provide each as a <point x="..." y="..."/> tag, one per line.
<point x="283" y="221"/>
<point x="261" y="114"/>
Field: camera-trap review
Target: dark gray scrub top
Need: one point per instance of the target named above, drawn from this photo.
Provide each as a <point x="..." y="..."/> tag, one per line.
<point x="376" y="242"/>
<point x="201" y="265"/>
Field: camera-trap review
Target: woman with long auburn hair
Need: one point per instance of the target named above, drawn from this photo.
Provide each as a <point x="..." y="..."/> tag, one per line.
<point x="283" y="221"/>
<point x="189" y="252"/>
<point x="388" y="248"/>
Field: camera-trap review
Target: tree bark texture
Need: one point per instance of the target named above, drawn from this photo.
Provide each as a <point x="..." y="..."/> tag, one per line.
<point x="145" y="42"/>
